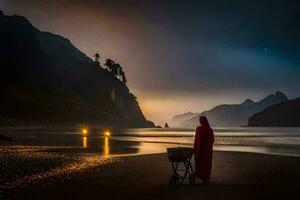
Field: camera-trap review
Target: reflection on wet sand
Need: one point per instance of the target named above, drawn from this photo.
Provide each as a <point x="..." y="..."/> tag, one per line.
<point x="44" y="163"/>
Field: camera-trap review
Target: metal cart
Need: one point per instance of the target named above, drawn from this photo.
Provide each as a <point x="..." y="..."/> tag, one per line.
<point x="181" y="156"/>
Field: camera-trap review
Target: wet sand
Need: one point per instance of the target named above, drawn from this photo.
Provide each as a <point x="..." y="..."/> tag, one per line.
<point x="235" y="176"/>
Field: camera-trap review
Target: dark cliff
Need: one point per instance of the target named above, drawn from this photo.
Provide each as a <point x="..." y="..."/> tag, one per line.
<point x="45" y="80"/>
<point x="283" y="115"/>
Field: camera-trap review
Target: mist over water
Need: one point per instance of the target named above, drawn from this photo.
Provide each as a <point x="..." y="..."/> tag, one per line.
<point x="281" y="141"/>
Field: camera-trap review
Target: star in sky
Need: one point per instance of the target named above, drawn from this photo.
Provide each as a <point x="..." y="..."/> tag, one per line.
<point x="266" y="50"/>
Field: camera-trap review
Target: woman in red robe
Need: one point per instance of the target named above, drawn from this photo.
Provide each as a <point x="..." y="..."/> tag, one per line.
<point x="203" y="150"/>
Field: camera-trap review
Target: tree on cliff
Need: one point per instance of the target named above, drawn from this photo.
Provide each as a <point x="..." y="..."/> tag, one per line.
<point x="120" y="74"/>
<point x="123" y="78"/>
<point x="116" y="70"/>
<point x="109" y="64"/>
<point x="97" y="59"/>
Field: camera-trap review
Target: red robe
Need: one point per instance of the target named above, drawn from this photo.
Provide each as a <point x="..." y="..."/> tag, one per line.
<point x="203" y="149"/>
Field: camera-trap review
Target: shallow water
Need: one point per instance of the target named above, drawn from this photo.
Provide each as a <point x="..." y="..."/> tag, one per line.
<point x="282" y="141"/>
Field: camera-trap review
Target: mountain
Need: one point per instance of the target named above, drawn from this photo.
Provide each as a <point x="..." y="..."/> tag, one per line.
<point x="235" y="114"/>
<point x="178" y="119"/>
<point x="282" y="114"/>
<point x="45" y="80"/>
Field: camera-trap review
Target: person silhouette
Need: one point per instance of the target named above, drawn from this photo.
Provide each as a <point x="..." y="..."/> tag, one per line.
<point x="203" y="150"/>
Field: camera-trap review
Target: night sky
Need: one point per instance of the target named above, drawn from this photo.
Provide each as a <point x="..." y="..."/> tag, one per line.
<point x="183" y="55"/>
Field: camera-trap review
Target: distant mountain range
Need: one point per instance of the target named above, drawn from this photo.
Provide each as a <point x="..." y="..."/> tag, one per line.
<point x="282" y="114"/>
<point x="45" y="80"/>
<point x="235" y="114"/>
<point x="178" y="119"/>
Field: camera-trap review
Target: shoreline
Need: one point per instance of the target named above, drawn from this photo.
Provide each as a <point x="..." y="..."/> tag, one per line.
<point x="255" y="149"/>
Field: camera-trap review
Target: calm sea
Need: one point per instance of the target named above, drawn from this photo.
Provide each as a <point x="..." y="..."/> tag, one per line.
<point x="281" y="141"/>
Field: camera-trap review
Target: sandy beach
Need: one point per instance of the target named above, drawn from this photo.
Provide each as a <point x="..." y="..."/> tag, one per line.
<point x="96" y="98"/>
<point x="235" y="176"/>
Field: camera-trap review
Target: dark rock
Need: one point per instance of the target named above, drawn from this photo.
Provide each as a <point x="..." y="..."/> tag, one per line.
<point x="283" y="114"/>
<point x="167" y="125"/>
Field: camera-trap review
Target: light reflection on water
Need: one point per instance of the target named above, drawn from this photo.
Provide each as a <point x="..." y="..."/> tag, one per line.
<point x="106" y="146"/>
<point x="84" y="142"/>
<point x="284" y="141"/>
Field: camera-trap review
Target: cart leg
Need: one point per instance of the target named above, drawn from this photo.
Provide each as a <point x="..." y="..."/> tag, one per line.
<point x="186" y="172"/>
<point x="191" y="174"/>
<point x="190" y="168"/>
<point x="189" y="171"/>
<point x="175" y="177"/>
<point x="175" y="167"/>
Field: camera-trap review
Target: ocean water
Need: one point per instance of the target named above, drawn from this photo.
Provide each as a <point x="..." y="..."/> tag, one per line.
<point x="279" y="141"/>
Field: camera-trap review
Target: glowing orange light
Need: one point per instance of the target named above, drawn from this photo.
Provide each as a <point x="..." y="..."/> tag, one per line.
<point x="107" y="134"/>
<point x="84" y="131"/>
